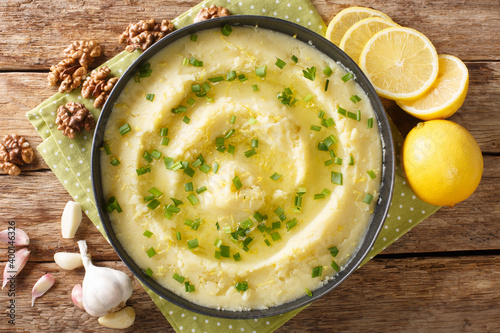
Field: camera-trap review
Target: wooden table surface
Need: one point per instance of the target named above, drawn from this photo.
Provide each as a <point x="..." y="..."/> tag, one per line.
<point x="443" y="276"/>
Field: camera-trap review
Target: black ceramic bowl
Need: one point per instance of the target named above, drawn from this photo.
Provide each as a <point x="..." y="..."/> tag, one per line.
<point x="331" y="51"/>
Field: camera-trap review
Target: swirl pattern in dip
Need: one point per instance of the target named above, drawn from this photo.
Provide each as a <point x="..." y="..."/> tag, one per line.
<point x="242" y="170"/>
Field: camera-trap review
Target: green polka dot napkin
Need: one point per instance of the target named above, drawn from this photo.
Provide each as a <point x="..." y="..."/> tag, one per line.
<point x="70" y="162"/>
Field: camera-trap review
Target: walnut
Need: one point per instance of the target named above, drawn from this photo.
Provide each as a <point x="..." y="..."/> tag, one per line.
<point x="143" y="34"/>
<point x="73" y="118"/>
<point x="83" y="51"/>
<point x="14" y="151"/>
<point x="99" y="85"/>
<point x="211" y="12"/>
<point x="69" y="72"/>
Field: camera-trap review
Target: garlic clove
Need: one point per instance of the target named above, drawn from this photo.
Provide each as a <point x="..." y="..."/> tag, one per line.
<point x="76" y="296"/>
<point x="121" y="319"/>
<point x="18" y="237"/>
<point x="41" y="287"/>
<point x="105" y="290"/>
<point x="14" y="265"/>
<point x="71" y="219"/>
<point x="67" y="260"/>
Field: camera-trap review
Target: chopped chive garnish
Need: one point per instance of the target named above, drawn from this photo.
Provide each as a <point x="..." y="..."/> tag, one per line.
<point x="250" y="153"/>
<point x="261" y="71"/>
<point x="188" y="222"/>
<point x="147" y="156"/>
<point x="225" y="251"/>
<point x="124" y="129"/>
<point x="310" y="73"/>
<point x="171" y="209"/>
<point x="309" y="293"/>
<point x="370" y="123"/>
<point x="319" y="196"/>
<point x="218" y="243"/>
<point x="201" y="189"/>
<point x="164" y="131"/>
<point x="205" y="86"/>
<point x="237" y="257"/>
<point x="317" y="271"/>
<point x="195" y="88"/>
<point x="143" y="71"/>
<point x="280" y="63"/>
<point x="308" y="97"/>
<point x="358" y="115"/>
<point x="233" y="119"/>
<point x="227" y="230"/>
<point x="255" y="87"/>
<point x="338" y="160"/>
<point x="219" y="141"/>
<point x="228" y="134"/>
<point x="347" y="77"/>
<point x="188" y="187"/>
<point x="231" y="76"/>
<point x="241" y="286"/>
<point x="252" y="120"/>
<point x="315" y="128"/>
<point x="246" y="224"/>
<point x="156" y="192"/>
<point x="301" y="191"/>
<point x="165" y="141"/>
<point x="275" y="176"/>
<point x="176" y="202"/>
<point x="351" y="160"/>
<point x="113" y="205"/>
<point x="178" y="278"/>
<point x="186" y="119"/>
<point x="185" y="61"/>
<point x="153" y="204"/>
<point x="288" y="91"/>
<point x="371" y="173"/>
<point x="258" y="216"/>
<point x="368" y="198"/>
<point x="321" y="114"/>
<point x="333" y="251"/>
<point x="178" y="235"/>
<point x="193" y="243"/>
<point x="107" y="149"/>
<point x="326" y="191"/>
<point x="151" y="252"/>
<point x="268" y="243"/>
<point x="326" y="84"/>
<point x="115" y="162"/>
<point x="189" y="171"/>
<point x="341" y="111"/>
<point x="332" y="153"/>
<point x="156" y="154"/>
<point x="216" y="167"/>
<point x="149" y="272"/>
<point x="295" y="59"/>
<point x="194" y="37"/>
<point x="276" y="225"/>
<point x="226" y="30"/>
<point x="217" y="225"/>
<point x="189" y="288"/>
<point x="322" y="146"/>
<point x="329" y="162"/>
<point x="352" y="115"/>
<point x="237" y="182"/>
<point x="327" y="71"/>
<point x="179" y="109"/>
<point x="196" y="163"/>
<point x="335" y="266"/>
<point x="143" y="170"/>
<point x="291" y="224"/>
<point x="329" y="140"/>
<point x="280" y="212"/>
<point x="275" y="236"/>
<point x="148" y="233"/>
<point x="230" y="149"/>
<point x="355" y="98"/>
<point x="217" y="254"/>
<point x="255" y="143"/>
<point x="150" y="97"/>
<point x="242" y="78"/>
<point x="205" y="168"/>
<point x="195" y="62"/>
<point x="177" y="165"/>
<point x="329" y="122"/>
<point x="192" y="199"/>
<point x="336" y="178"/>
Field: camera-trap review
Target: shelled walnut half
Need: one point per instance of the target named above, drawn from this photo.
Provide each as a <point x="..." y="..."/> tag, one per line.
<point x="213" y="11"/>
<point x="15" y="151"/>
<point x="73" y="118"/>
<point x="143" y="34"/>
<point x="99" y="85"/>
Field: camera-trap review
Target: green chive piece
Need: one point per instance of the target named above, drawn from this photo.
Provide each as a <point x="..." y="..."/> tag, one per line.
<point x="255" y="87"/>
<point x="151" y="252"/>
<point x="301" y="191"/>
<point x="329" y="162"/>
<point x="335" y="266"/>
<point x="241" y="286"/>
<point x="317" y="271"/>
<point x="178" y="278"/>
<point x="355" y="98"/>
<point x="194" y="37"/>
<point x="176" y="202"/>
<point x="115" y="162"/>
<point x="338" y="161"/>
<point x="156" y="192"/>
<point x="342" y="111"/>
<point x="280" y="212"/>
<point x="219" y="142"/>
<point x="147" y="156"/>
<point x="280" y="63"/>
<point x="319" y="196"/>
<point x="179" y="109"/>
<point x="113" y="205"/>
<point x="370" y="123"/>
<point x="337" y="178"/>
<point x="225" y="251"/>
<point x="275" y="176"/>
<point x="321" y="114"/>
<point x="258" y="217"/>
<point x="233" y="119"/>
<point x="153" y="204"/>
<point x="186" y="119"/>
<point x="218" y="243"/>
<point x="192" y="199"/>
<point x="326" y="192"/>
<point x="178" y="235"/>
<point x="177" y="165"/>
<point x="185" y="61"/>
<point x="347" y="77"/>
<point x="275" y="236"/>
<point x="333" y="251"/>
<point x="352" y="115"/>
<point x="372" y="174"/>
<point x="231" y="149"/>
<point x="195" y="62"/>
<point x="217" y="254"/>
<point x="322" y="146"/>
<point x="230" y="133"/>
<point x="242" y="78"/>
<point x="124" y="129"/>
<point x="252" y="120"/>
<point x="149" y="272"/>
<point x="309" y="293"/>
<point x="291" y="224"/>
<point x="310" y="73"/>
<point x="195" y="88"/>
<point x="107" y="149"/>
<point x="237" y="257"/>
<point x="205" y="168"/>
<point x="227" y="230"/>
<point x="188" y="187"/>
<point x="246" y="224"/>
<point x="189" y="288"/>
<point x="148" y="233"/>
<point x="250" y="153"/>
<point x="332" y="153"/>
<point x="308" y="97"/>
<point x="201" y="189"/>
<point x="268" y="243"/>
<point x="205" y="86"/>
<point x="261" y="71"/>
<point x="142" y="171"/>
<point x="295" y="59"/>
<point x="216" y="79"/>
<point x="189" y="171"/>
<point x="327" y="122"/>
<point x="216" y="167"/>
<point x="329" y="140"/>
<point x="150" y="97"/>
<point x="351" y="160"/>
<point x="143" y="71"/>
<point x="326" y="84"/>
<point x="156" y="154"/>
<point x="327" y="71"/>
<point x="255" y="143"/>
<point x="188" y="222"/>
<point x="193" y="243"/>
<point x="231" y="76"/>
<point x="226" y="30"/>
<point x="276" y="225"/>
<point x="315" y="128"/>
<point x="368" y="198"/>
<point x="237" y="182"/>
<point x="164" y="131"/>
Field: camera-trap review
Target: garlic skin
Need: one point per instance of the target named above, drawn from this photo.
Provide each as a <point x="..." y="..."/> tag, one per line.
<point x="20" y="237"/>
<point x="71" y="219"/>
<point x="77" y="295"/>
<point x="121" y="319"/>
<point x="105" y="289"/>
<point x="41" y="286"/>
<point x="15" y="264"/>
<point x="67" y="260"/>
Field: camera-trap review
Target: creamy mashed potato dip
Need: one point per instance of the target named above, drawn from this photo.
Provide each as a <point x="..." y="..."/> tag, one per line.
<point x="241" y="171"/>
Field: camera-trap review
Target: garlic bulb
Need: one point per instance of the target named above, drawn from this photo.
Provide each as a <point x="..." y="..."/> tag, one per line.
<point x="105" y="289"/>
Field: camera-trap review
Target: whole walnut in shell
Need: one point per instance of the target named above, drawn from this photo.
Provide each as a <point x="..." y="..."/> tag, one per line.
<point x="213" y="11"/>
<point x="15" y="151"/>
<point x="143" y="34"/>
<point x="73" y="118"/>
<point x="99" y="85"/>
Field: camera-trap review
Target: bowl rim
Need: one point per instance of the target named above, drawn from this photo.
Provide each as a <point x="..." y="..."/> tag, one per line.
<point x="388" y="162"/>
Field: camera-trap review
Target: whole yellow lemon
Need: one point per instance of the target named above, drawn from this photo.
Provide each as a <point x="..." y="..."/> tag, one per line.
<point x="442" y="162"/>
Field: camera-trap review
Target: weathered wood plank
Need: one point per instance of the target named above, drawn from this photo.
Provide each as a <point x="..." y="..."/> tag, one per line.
<point x="36" y="201"/>
<point x="40" y="30"/>
<point x="403" y="295"/>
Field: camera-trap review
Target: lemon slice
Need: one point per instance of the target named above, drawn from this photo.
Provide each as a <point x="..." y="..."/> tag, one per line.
<point x="356" y="37"/>
<point x="446" y="95"/>
<point x="400" y="62"/>
<point x="346" y="18"/>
